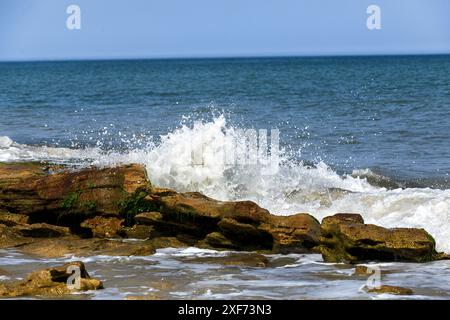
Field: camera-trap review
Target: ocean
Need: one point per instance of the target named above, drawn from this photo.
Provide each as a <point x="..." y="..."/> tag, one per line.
<point x="368" y="135"/>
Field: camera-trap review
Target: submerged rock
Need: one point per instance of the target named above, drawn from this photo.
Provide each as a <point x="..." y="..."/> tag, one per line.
<point x="345" y="238"/>
<point x="391" y="290"/>
<point x="253" y="260"/>
<point x="51" y="282"/>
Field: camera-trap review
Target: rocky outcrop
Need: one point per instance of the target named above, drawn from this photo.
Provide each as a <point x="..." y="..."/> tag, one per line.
<point x="52" y="282"/>
<point x="83" y="209"/>
<point x="345" y="238"/>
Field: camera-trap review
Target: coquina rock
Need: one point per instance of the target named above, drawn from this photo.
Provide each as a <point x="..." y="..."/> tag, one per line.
<point x="345" y="238"/>
<point x="51" y="282"/>
<point x="57" y="195"/>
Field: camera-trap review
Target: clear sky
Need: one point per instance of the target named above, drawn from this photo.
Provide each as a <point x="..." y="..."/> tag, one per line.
<point x="36" y="29"/>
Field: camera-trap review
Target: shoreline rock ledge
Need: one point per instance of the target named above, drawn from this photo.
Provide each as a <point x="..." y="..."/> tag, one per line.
<point x="52" y="210"/>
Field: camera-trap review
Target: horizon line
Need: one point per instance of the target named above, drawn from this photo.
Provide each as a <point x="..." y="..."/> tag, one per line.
<point x="206" y="57"/>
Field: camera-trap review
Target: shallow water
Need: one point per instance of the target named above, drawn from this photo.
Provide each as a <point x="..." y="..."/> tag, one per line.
<point x="174" y="274"/>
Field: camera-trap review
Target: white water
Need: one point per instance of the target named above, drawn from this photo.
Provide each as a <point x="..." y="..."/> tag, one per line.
<point x="184" y="273"/>
<point x="295" y="188"/>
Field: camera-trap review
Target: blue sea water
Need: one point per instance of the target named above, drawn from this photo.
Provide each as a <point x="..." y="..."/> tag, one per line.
<point x="387" y="113"/>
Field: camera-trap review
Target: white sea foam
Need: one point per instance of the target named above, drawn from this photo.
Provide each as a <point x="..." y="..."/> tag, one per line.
<point x="295" y="188"/>
<point x="12" y="151"/>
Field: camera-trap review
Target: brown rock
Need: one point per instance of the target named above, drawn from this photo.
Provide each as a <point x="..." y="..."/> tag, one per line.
<point x="103" y="227"/>
<point x="167" y="242"/>
<point x="218" y="240"/>
<point x="42" y="230"/>
<point x="361" y="271"/>
<point x="69" y="197"/>
<point x="12" y="219"/>
<point x="391" y="290"/>
<point x="240" y="225"/>
<point x="339" y="218"/>
<point x="137" y="231"/>
<point x="53" y="248"/>
<point x="245" y="236"/>
<point x="295" y="233"/>
<point x="51" y="282"/>
<point x="11" y="238"/>
<point x="346" y="239"/>
<point x="193" y="207"/>
<point x="148" y="218"/>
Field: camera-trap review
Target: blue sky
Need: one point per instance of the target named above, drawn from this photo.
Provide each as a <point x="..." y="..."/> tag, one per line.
<point x="36" y="29"/>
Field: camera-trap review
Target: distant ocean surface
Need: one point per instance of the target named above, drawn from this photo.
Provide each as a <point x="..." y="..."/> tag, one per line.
<point x="358" y="134"/>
